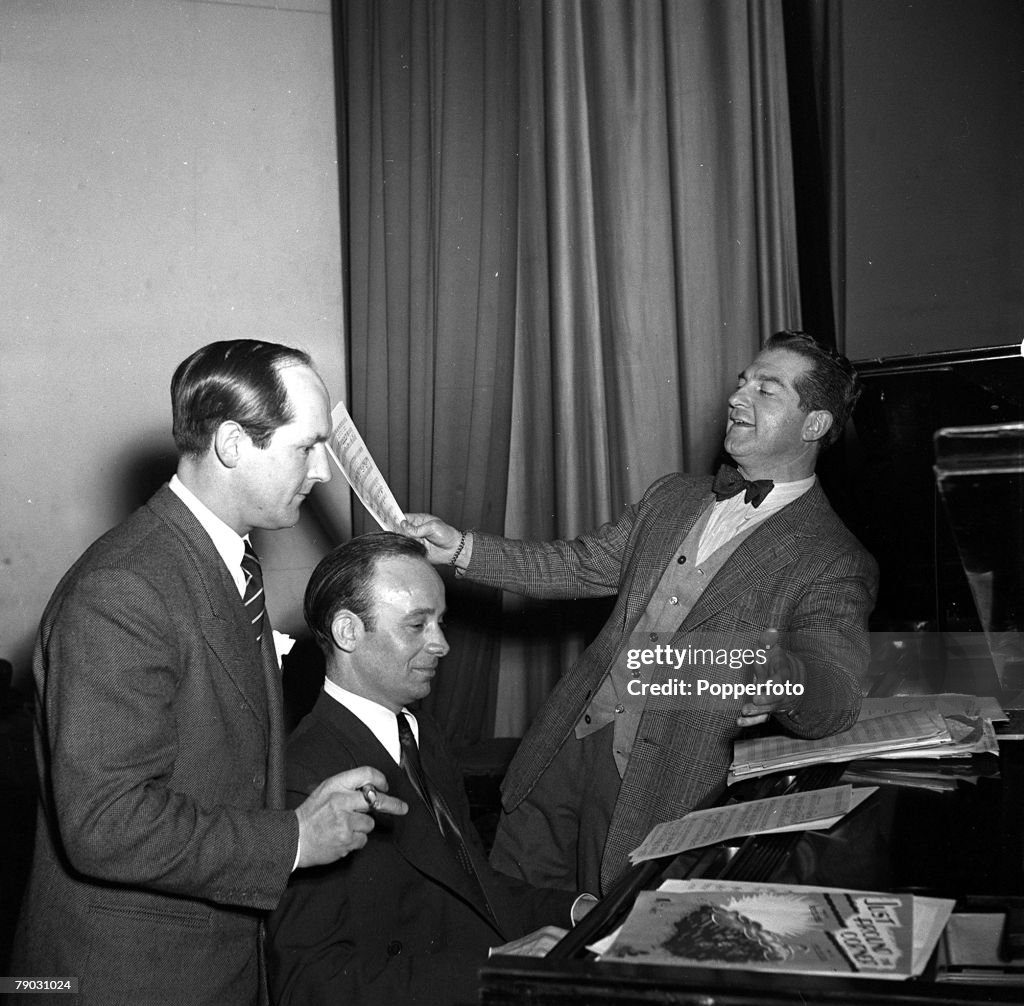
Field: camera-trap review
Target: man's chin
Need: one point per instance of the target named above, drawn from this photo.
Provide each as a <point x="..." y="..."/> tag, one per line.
<point x="733" y="446"/>
<point x="279" y="522"/>
<point x="416" y="693"/>
<point x="424" y="681"/>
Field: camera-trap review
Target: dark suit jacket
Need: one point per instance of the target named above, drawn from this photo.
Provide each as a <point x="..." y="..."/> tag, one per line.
<point x="800" y="571"/>
<point x="160" y="747"/>
<point x="398" y="922"/>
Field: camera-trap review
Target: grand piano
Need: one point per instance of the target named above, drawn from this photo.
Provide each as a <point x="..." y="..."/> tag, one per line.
<point x="932" y="481"/>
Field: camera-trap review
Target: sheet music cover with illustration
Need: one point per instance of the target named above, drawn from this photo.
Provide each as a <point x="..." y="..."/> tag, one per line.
<point x="753" y="928"/>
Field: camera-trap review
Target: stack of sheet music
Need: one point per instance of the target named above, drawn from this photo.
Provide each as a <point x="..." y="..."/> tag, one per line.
<point x="907" y="726"/>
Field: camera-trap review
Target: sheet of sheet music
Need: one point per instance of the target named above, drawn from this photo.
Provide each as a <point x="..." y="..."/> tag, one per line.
<point x="814" y="809"/>
<point x="354" y="461"/>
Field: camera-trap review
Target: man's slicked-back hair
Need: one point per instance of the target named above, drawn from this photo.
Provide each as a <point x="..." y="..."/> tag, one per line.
<point x="238" y="380"/>
<point x="831" y="384"/>
<point x="343" y="580"/>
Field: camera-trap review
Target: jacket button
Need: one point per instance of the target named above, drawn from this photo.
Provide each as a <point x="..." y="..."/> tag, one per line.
<point x="394" y="948"/>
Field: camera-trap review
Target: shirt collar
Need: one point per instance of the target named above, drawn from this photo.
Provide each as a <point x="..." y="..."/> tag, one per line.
<point x="228" y="543"/>
<point x="786" y="492"/>
<point x="782" y="493"/>
<point x="379" y="720"/>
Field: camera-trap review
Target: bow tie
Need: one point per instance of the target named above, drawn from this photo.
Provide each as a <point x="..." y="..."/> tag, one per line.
<point x="729" y="482"/>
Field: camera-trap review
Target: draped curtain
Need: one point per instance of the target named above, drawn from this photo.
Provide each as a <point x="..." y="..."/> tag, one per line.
<point x="814" y="67"/>
<point x="428" y="106"/>
<point x="569" y="226"/>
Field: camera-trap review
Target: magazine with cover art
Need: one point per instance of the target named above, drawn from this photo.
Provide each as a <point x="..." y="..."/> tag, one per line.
<point x="757" y="928"/>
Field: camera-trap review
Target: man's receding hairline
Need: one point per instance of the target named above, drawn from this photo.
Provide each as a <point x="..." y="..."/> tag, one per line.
<point x="280" y="366"/>
<point x="289" y="362"/>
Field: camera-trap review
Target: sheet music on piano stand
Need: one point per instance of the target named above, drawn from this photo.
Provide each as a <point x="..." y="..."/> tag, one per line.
<point x="979" y="473"/>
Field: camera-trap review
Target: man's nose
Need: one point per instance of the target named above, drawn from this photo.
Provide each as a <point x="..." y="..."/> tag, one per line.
<point x="319" y="465"/>
<point x="437" y="642"/>
<point x="737" y="398"/>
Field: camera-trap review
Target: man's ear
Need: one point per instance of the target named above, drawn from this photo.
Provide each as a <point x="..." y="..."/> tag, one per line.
<point x="227" y="442"/>
<point x="346" y="630"/>
<point x="817" y="424"/>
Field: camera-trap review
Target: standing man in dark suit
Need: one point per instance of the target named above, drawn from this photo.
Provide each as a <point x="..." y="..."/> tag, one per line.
<point x="753" y="565"/>
<point x="409" y="920"/>
<point x="162" y="835"/>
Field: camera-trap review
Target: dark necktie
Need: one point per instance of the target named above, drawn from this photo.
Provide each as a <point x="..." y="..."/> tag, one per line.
<point x="253" y="599"/>
<point x="729" y="483"/>
<point x="413" y="768"/>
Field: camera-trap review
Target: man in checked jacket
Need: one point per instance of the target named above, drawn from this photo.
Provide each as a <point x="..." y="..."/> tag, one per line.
<point x="745" y="581"/>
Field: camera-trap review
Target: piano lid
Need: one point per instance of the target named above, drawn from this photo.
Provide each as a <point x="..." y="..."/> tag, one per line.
<point x="890" y="498"/>
<point x="883" y="483"/>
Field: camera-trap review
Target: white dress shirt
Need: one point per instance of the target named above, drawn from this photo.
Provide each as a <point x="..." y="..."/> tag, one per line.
<point x="378" y="719"/>
<point x="229" y="544"/>
<point x="730" y="516"/>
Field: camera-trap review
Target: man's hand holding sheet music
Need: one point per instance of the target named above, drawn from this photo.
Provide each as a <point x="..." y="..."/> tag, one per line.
<point x="445" y="544"/>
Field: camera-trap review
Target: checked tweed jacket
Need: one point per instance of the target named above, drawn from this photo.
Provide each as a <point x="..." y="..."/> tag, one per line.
<point x="801" y="571"/>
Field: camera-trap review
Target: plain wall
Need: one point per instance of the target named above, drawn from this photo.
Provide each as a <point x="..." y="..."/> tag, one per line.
<point x="934" y="163"/>
<point x="168" y="177"/>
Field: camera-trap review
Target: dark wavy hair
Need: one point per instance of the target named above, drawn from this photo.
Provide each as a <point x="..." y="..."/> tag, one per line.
<point x="344" y="578"/>
<point x="831" y="384"/>
<point x="238" y="380"/>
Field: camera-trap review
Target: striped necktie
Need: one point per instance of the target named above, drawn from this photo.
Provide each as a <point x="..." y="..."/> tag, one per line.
<point x="253" y="599"/>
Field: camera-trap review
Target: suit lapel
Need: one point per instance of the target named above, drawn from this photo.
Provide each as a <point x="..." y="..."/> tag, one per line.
<point x="439" y="772"/>
<point x="771" y="546"/>
<point x="415" y="836"/>
<point x="662" y="534"/>
<point x="222" y="620"/>
<point x="275" y="720"/>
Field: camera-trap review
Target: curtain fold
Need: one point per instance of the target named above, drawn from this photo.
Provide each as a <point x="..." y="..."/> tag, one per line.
<point x="570" y="225"/>
<point x="430" y="106"/>
<point x="657" y="251"/>
<point x="813" y="32"/>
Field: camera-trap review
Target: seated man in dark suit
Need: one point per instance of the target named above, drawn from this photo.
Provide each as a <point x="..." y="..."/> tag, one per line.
<point x="412" y="922"/>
